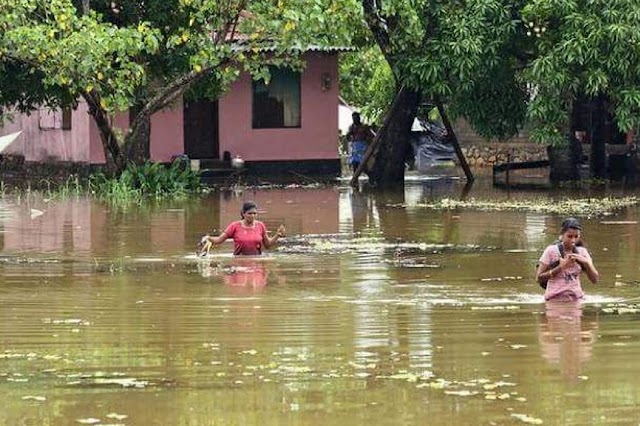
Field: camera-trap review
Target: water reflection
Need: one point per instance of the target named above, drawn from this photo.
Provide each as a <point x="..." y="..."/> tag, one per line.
<point x="241" y="274"/>
<point x="374" y="307"/>
<point x="84" y="226"/>
<point x="567" y="335"/>
<point x="364" y="214"/>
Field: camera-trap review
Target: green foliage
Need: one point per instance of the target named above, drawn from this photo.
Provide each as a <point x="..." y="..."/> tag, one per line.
<point x="477" y="102"/>
<point x="501" y="63"/>
<point x="73" y="53"/>
<point x="367" y="82"/>
<point x="147" y="53"/>
<point x="149" y="180"/>
<point x="463" y="53"/>
<point x="587" y="48"/>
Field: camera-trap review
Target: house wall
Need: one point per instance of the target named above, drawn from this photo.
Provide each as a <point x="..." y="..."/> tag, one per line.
<point x="49" y="144"/>
<point x="167" y="133"/>
<point x="315" y="139"/>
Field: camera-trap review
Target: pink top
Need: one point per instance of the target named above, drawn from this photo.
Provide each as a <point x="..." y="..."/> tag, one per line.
<point x="247" y="240"/>
<point x="567" y="283"/>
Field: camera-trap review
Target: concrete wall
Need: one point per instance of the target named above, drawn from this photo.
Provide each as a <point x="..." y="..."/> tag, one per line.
<point x="42" y="138"/>
<point x="315" y="139"/>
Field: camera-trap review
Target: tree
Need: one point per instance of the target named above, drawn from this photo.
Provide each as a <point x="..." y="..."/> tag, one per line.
<point x="143" y="55"/>
<point x="448" y="53"/>
<point x="499" y="64"/>
<point x="585" y="49"/>
<point x="73" y="56"/>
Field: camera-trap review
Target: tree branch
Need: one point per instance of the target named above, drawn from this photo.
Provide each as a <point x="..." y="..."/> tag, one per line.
<point x="378" y="27"/>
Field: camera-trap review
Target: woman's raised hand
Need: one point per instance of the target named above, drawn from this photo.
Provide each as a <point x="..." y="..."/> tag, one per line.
<point x="281" y="231"/>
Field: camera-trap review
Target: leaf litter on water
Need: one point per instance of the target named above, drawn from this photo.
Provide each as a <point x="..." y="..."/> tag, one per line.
<point x="582" y="206"/>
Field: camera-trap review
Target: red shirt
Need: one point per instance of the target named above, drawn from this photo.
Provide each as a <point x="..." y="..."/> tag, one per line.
<point x="247" y="241"/>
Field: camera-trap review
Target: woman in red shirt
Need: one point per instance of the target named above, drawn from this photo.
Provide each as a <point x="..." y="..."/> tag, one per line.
<point x="249" y="234"/>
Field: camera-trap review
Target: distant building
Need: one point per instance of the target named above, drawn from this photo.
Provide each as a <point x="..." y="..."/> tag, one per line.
<point x="291" y="124"/>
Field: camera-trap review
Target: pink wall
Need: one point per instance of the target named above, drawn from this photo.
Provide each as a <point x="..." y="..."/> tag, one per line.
<point x="167" y="133"/>
<point x="37" y="144"/>
<point x="315" y="139"/>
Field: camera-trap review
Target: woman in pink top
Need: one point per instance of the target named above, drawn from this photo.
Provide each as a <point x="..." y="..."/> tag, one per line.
<point x="249" y="234"/>
<point x="563" y="272"/>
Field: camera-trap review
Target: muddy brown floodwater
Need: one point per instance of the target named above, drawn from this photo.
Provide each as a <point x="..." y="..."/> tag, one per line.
<point x="373" y="310"/>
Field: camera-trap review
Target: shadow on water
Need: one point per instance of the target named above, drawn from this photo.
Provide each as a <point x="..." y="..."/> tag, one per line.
<point x="373" y="307"/>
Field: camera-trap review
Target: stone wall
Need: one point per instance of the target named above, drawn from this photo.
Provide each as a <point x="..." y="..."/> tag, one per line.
<point x="481" y="152"/>
<point x="486" y="154"/>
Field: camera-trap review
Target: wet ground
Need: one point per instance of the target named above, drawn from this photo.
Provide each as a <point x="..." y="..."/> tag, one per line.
<point x="375" y="309"/>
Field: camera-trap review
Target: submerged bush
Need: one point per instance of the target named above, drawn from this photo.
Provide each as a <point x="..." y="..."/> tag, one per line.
<point x="149" y="180"/>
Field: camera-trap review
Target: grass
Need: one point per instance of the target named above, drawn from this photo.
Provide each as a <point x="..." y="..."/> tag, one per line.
<point x="147" y="181"/>
<point x="136" y="184"/>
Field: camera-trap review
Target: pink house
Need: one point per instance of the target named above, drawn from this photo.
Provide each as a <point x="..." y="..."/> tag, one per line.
<point x="291" y="124"/>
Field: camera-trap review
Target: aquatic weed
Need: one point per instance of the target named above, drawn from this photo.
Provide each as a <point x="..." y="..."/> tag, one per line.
<point x="580" y="206"/>
<point x="149" y="180"/>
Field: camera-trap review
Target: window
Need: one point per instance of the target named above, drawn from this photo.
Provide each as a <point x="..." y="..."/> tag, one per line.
<point x="52" y="119"/>
<point x="277" y="104"/>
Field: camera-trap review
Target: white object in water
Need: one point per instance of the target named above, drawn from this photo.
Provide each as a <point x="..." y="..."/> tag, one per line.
<point x="5" y="141"/>
<point x="237" y="162"/>
<point x="35" y="213"/>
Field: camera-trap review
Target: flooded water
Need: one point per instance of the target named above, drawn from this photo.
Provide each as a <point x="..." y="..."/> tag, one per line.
<point x="373" y="310"/>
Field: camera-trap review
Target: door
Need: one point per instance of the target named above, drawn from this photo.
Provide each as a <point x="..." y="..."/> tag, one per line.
<point x="201" y="129"/>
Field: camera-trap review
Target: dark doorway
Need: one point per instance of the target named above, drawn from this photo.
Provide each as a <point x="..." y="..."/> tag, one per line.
<point x="201" y="129"/>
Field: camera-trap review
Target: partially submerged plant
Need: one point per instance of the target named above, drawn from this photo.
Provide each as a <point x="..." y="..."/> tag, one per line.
<point x="150" y="180"/>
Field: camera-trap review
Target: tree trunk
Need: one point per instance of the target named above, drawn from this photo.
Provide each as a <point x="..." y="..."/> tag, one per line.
<point x="138" y="140"/>
<point x="137" y="145"/>
<point x="598" y="156"/>
<point x="451" y="135"/>
<point x="112" y="152"/>
<point x="564" y="161"/>
<point x="386" y="168"/>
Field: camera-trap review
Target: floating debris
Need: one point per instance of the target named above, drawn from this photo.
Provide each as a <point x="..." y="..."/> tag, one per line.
<point x="622" y="308"/>
<point x="69" y="321"/>
<point x="125" y="382"/>
<point x="517" y="346"/>
<point x="582" y="206"/>
<point x="35" y="213"/>
<point x="463" y="392"/>
<point x="88" y="421"/>
<point x="116" y="416"/>
<point x="34" y="398"/>
<point x="619" y="222"/>
<point x="491" y="386"/>
<point x="527" y="419"/>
